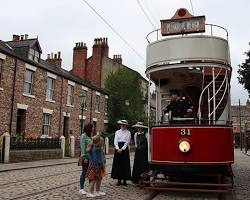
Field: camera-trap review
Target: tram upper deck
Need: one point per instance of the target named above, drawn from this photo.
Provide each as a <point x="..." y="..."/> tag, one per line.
<point x="197" y="64"/>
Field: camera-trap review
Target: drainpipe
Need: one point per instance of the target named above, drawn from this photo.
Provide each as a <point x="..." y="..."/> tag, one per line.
<point x="13" y="97"/>
<point x="91" y="106"/>
<point x="60" y="113"/>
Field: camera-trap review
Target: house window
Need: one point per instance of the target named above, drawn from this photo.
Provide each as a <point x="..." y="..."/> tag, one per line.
<point x="28" y="81"/>
<point x="70" y="95"/>
<point x="46" y="123"/>
<point x="34" y="55"/>
<point x="84" y="92"/>
<point x="97" y="103"/>
<point x="50" y="88"/>
<point x="1" y="69"/>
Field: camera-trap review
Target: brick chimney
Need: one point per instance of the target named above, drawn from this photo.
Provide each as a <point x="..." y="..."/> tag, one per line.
<point x="16" y="38"/>
<point x="118" y="58"/>
<point x="100" y="49"/>
<point x="79" y="60"/>
<point x="54" y="59"/>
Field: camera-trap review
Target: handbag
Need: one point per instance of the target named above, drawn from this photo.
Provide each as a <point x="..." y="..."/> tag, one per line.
<point x="80" y="161"/>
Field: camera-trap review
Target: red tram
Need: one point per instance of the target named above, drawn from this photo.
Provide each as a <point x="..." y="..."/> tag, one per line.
<point x="196" y="152"/>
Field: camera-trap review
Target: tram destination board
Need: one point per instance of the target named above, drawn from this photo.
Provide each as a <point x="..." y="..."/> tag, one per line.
<point x="183" y="26"/>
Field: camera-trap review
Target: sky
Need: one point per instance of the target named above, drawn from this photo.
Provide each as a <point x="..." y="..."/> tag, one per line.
<point x="59" y="24"/>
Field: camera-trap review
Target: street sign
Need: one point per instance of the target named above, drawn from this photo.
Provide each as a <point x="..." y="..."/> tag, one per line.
<point x="182" y="23"/>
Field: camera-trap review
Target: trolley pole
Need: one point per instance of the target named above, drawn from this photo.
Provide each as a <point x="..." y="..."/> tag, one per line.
<point x="240" y="126"/>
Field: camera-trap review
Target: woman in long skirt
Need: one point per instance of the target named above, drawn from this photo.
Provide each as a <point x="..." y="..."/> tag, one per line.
<point x="141" y="152"/>
<point x="121" y="162"/>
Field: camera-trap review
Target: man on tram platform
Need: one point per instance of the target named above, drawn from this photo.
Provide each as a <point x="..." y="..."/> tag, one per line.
<point x="180" y="109"/>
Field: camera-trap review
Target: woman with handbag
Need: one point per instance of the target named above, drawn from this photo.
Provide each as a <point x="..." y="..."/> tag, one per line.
<point x="85" y="140"/>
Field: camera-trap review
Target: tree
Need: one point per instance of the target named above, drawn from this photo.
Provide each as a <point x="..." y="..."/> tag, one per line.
<point x="125" y="98"/>
<point x="244" y="73"/>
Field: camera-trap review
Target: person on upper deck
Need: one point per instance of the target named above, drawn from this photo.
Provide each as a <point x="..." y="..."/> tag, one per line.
<point x="179" y="107"/>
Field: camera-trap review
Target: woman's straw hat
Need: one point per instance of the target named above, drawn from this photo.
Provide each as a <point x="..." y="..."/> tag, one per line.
<point x="139" y="125"/>
<point x="123" y="122"/>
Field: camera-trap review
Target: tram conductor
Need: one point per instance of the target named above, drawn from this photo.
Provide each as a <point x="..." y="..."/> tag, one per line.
<point x="178" y="108"/>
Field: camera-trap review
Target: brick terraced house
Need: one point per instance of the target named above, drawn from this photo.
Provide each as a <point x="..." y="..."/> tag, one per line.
<point x="38" y="98"/>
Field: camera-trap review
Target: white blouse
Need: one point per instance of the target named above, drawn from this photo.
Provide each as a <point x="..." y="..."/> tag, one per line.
<point x="122" y="136"/>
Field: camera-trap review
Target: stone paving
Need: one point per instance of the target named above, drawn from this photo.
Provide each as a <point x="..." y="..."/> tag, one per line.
<point x="62" y="182"/>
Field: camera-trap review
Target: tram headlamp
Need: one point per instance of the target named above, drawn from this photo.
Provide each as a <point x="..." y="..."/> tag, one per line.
<point x="184" y="146"/>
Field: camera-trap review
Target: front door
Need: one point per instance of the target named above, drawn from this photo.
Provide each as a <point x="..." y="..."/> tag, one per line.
<point x="66" y="127"/>
<point x="20" y="122"/>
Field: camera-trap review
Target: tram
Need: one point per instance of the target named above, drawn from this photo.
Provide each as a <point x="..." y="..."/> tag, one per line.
<point x="196" y="152"/>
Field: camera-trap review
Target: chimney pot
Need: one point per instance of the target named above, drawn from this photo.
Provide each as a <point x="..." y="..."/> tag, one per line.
<point x="48" y="56"/>
<point x="21" y="37"/>
<point x="15" y="37"/>
<point x="26" y="36"/>
<point x="55" y="56"/>
<point x="59" y="55"/>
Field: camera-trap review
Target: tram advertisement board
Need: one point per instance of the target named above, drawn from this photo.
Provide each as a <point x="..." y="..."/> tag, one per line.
<point x="183" y="26"/>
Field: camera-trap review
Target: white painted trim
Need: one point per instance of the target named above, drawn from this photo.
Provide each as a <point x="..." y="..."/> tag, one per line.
<point x="71" y="106"/>
<point x="50" y="100"/>
<point x="29" y="95"/>
<point x="106" y="121"/>
<point x="98" y="112"/>
<point x="47" y="111"/>
<point x="106" y="96"/>
<point x="51" y="75"/>
<point x="98" y="93"/>
<point x="85" y="88"/>
<point x="66" y="114"/>
<point x="22" y="106"/>
<point x="2" y="56"/>
<point x="1" y="89"/>
<point x="82" y="117"/>
<point x="95" y="120"/>
<point x="30" y="67"/>
<point x="71" y="83"/>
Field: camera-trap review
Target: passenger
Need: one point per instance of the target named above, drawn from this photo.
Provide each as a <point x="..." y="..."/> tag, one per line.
<point x="84" y="142"/>
<point x="121" y="162"/>
<point x="96" y="170"/>
<point x="141" y="153"/>
<point x="179" y="107"/>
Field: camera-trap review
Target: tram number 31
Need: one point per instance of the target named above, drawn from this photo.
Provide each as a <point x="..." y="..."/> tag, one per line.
<point x="185" y="131"/>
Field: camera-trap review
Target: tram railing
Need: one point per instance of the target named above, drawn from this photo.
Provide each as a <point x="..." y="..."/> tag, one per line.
<point x="212" y="100"/>
<point x="212" y="30"/>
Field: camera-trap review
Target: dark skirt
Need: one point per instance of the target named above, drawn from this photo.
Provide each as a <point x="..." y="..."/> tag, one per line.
<point x="140" y="164"/>
<point x="121" y="164"/>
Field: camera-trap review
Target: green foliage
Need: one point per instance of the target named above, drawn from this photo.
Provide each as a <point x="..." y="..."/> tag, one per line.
<point x="124" y="86"/>
<point x="244" y="73"/>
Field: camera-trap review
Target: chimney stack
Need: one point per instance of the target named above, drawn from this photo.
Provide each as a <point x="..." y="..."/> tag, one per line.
<point x="79" y="60"/>
<point x="118" y="58"/>
<point x="54" y="59"/>
<point x="15" y="37"/>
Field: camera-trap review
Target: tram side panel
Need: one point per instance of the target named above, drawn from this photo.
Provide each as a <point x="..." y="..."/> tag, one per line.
<point x="209" y="145"/>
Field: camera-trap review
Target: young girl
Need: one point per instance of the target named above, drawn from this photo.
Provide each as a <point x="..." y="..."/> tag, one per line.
<point x="96" y="169"/>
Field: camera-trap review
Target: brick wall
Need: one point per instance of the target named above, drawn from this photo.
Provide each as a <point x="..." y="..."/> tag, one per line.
<point x="6" y="86"/>
<point x="37" y="102"/>
<point x="33" y="155"/>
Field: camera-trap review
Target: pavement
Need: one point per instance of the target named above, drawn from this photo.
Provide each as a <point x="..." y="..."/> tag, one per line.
<point x="36" y="164"/>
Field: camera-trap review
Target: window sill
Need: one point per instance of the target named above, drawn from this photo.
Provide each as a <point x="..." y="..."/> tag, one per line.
<point x="97" y="112"/>
<point x="1" y="89"/>
<point x="70" y="106"/>
<point x="50" y="100"/>
<point x="45" y="136"/>
<point x="29" y="95"/>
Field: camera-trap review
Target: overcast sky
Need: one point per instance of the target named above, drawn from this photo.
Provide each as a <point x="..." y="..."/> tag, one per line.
<point x="61" y="23"/>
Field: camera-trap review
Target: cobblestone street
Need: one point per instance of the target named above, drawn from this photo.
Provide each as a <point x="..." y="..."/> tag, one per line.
<point x="61" y="182"/>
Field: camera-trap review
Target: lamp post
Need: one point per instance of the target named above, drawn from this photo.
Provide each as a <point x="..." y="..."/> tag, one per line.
<point x="82" y="97"/>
